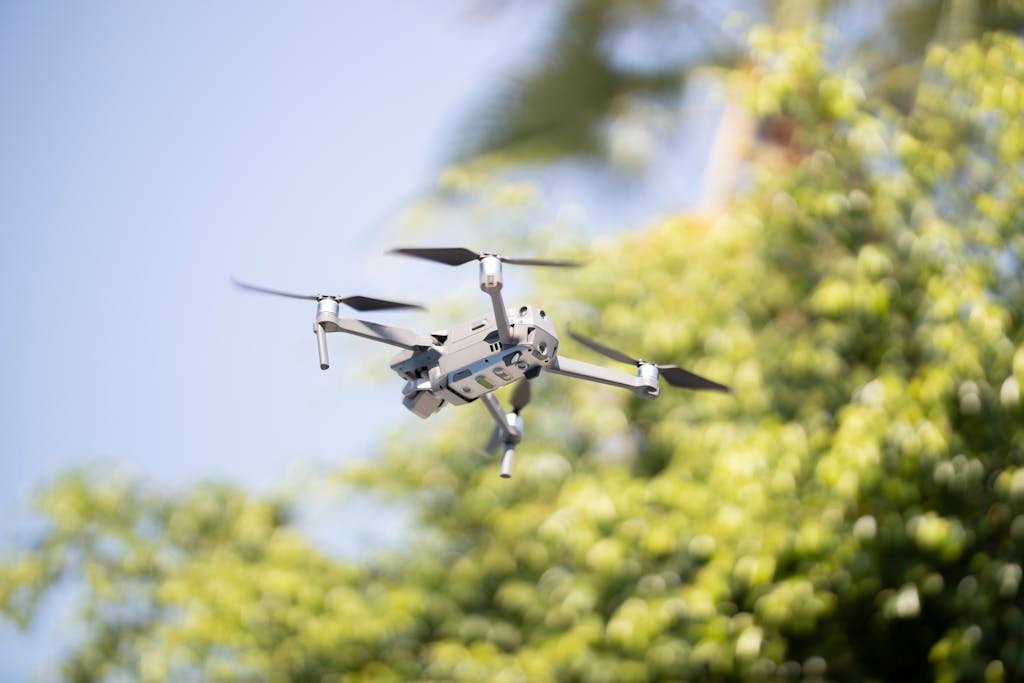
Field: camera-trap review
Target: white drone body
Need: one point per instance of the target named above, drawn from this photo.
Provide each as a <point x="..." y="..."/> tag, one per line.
<point x="472" y="360"/>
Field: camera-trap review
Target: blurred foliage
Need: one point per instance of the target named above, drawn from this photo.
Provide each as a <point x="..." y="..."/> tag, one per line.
<point x="855" y="512"/>
<point x="603" y="57"/>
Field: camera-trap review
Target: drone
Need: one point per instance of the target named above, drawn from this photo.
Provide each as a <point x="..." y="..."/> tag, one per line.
<point x="470" y="361"/>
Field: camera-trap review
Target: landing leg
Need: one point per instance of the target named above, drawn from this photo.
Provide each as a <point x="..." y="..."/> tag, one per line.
<point x="510" y="426"/>
<point x="507" y="458"/>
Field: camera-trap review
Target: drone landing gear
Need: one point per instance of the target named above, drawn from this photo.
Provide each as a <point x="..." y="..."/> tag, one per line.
<point x="508" y="450"/>
<point x="508" y="431"/>
<point x="321" y="345"/>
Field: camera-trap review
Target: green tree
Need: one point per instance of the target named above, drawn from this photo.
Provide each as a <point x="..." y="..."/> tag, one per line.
<point x="856" y="511"/>
<point x="585" y="77"/>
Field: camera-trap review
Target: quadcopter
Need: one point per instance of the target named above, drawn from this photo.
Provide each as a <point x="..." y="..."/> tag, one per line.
<point x="468" y="362"/>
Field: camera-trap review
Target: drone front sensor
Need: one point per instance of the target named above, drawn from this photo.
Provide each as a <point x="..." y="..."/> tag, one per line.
<point x="470" y="361"/>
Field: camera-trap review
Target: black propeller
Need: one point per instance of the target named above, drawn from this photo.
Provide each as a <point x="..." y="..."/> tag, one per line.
<point x="457" y="256"/>
<point x="673" y="374"/>
<point x="359" y="303"/>
<point x="521" y="396"/>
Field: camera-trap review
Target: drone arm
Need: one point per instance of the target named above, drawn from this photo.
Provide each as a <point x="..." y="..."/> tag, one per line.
<point x="501" y="318"/>
<point x="491" y="284"/>
<point x="511" y="434"/>
<point x="577" y="369"/>
<point x="395" y="336"/>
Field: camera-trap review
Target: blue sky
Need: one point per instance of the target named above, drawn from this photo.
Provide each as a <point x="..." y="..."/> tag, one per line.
<point x="148" y="151"/>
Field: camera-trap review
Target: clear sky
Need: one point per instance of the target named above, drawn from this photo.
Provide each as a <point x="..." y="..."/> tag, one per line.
<point x="150" y="150"/>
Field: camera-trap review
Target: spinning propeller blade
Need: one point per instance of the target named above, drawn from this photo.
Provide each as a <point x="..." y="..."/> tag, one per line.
<point x="367" y="303"/>
<point x="685" y="379"/>
<point x="275" y="292"/>
<point x="359" y="303"/>
<point x="457" y="256"/>
<point x="602" y="349"/>
<point x="672" y="374"/>
<point x="454" y="256"/>
<point x="550" y="263"/>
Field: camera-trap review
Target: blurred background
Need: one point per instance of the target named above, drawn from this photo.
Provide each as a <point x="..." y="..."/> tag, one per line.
<point x="817" y="202"/>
